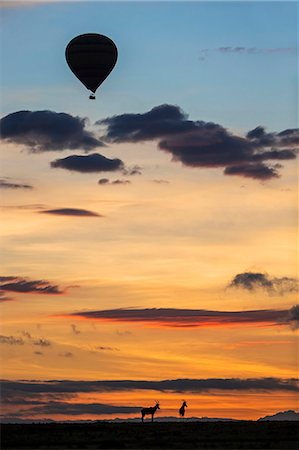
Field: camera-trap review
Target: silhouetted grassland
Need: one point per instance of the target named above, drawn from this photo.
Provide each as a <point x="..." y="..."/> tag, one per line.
<point x="195" y="435"/>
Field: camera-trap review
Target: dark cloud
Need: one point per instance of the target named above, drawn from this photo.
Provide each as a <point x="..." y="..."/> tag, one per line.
<point x="42" y="131"/>
<point x="71" y="212"/>
<point x="257" y="171"/>
<point x="293" y="317"/>
<point x="205" y="144"/>
<point x="160" y="121"/>
<point x="106" y="181"/>
<point x="88" y="164"/>
<point x="274" y="285"/>
<point x="22" y="285"/>
<point x="173" y="317"/>
<point x="13" y="391"/>
<point x="77" y="409"/>
<point x="42" y="342"/>
<point x="9" y="185"/>
<point x="11" y="340"/>
<point x="288" y="138"/>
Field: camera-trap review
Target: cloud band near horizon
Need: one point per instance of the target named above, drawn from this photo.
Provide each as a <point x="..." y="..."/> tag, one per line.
<point x="57" y="396"/>
<point x="12" y="390"/>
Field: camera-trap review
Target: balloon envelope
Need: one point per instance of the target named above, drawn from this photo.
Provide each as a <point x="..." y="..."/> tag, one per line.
<point x="91" y="57"/>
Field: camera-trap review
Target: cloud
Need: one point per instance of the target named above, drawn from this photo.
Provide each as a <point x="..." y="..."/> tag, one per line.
<point x="11" y="340"/>
<point x="257" y="171"/>
<point x="42" y="342"/>
<point x="134" y="170"/>
<point x="32" y="390"/>
<point x="4" y="297"/>
<point x="26" y="334"/>
<point x="252" y="50"/>
<point x="66" y="355"/>
<point x="38" y="353"/>
<point x="205" y="144"/>
<point x="160" y="181"/>
<point x="42" y="131"/>
<point x="9" y="185"/>
<point x="124" y="333"/>
<point x="71" y="212"/>
<point x="160" y="121"/>
<point x="293" y="317"/>
<point x="273" y="285"/>
<point x="22" y="285"/>
<point x="75" y="329"/>
<point x="77" y="409"/>
<point x="106" y="181"/>
<point x="204" y="53"/>
<point x="88" y="164"/>
<point x="174" y="317"/>
<point x="103" y="348"/>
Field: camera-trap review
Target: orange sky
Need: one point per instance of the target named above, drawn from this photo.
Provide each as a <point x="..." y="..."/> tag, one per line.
<point x="79" y="257"/>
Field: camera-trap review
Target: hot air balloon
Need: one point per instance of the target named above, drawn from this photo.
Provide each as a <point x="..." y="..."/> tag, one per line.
<point x="91" y="57"/>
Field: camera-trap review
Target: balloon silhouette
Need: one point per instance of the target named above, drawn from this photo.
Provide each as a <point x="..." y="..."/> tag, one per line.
<point x="91" y="57"/>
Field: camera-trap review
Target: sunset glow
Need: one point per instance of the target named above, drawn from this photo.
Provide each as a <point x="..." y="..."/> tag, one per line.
<point x="149" y="237"/>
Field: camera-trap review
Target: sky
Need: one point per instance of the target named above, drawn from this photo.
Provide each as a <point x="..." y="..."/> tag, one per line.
<point x="149" y="237"/>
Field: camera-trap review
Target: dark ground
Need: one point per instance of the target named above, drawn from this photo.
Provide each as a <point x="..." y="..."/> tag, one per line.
<point x="195" y="435"/>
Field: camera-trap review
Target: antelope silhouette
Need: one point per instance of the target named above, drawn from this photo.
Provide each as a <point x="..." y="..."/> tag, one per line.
<point x="151" y="410"/>
<point x="182" y="408"/>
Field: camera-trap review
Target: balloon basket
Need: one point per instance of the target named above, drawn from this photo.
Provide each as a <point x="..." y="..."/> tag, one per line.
<point x="92" y="97"/>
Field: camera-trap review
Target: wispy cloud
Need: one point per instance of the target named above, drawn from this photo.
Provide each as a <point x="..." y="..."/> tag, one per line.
<point x="107" y="182"/>
<point x="101" y="348"/>
<point x="17" y="340"/>
<point x="11" y="340"/>
<point x="75" y="329"/>
<point x="24" y="286"/>
<point x="42" y="342"/>
<point x="4" y="184"/>
<point x="66" y="355"/>
<point x="4" y="297"/>
<point x="204" y="53"/>
<point x="160" y="181"/>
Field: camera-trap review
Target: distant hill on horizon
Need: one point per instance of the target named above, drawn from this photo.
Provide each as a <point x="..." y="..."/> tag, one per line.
<point x="280" y="416"/>
<point x="285" y="415"/>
